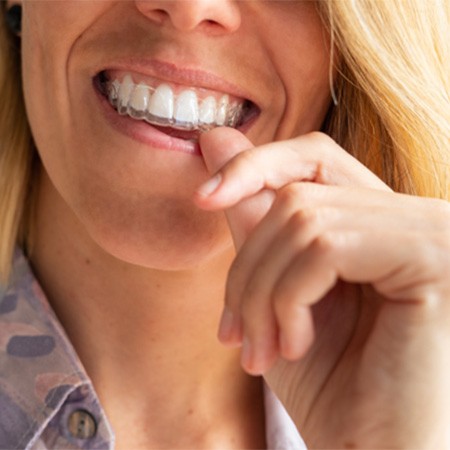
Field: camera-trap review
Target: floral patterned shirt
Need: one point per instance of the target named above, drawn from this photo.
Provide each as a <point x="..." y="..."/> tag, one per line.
<point x="47" y="401"/>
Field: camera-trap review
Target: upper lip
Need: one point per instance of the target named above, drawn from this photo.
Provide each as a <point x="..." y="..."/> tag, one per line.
<point x="171" y="72"/>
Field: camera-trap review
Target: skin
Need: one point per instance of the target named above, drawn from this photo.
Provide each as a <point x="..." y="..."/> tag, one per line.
<point x="116" y="221"/>
<point x="357" y="365"/>
<point x="133" y="268"/>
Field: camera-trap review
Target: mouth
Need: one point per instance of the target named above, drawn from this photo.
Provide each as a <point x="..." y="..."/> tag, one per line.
<point x="179" y="111"/>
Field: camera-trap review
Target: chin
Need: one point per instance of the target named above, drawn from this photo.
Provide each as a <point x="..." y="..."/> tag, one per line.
<point x="174" y="243"/>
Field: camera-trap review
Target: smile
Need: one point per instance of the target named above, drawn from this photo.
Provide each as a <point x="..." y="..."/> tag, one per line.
<point x="173" y="106"/>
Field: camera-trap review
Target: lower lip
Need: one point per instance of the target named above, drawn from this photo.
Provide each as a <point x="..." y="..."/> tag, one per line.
<point x="143" y="132"/>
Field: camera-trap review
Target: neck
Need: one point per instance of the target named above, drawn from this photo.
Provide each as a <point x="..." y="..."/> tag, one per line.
<point x="146" y="337"/>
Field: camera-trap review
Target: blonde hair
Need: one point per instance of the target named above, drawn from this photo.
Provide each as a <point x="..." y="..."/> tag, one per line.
<point x="393" y="110"/>
<point x="17" y="154"/>
<point x="393" y="89"/>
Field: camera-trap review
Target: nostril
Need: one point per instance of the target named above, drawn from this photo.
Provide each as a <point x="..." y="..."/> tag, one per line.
<point x="186" y="15"/>
<point x="156" y="15"/>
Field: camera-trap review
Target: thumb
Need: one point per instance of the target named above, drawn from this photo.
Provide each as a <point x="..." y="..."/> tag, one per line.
<point x="218" y="147"/>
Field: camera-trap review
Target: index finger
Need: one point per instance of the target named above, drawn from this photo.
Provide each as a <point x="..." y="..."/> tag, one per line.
<point x="313" y="157"/>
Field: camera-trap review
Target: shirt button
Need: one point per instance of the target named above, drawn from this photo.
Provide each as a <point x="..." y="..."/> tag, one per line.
<point x="82" y="425"/>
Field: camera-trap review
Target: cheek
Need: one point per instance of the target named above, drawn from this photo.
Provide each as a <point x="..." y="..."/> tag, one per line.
<point x="50" y="30"/>
<point x="301" y="56"/>
<point x="138" y="209"/>
<point x="308" y="97"/>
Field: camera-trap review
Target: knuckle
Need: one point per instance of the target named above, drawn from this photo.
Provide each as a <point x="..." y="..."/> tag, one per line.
<point x="251" y="159"/>
<point x="437" y="210"/>
<point x="313" y="216"/>
<point x="421" y="247"/>
<point x="304" y="219"/>
<point x="443" y="208"/>
<point x="288" y="195"/>
<point x="285" y="304"/>
<point x="297" y="194"/>
<point x="250" y="163"/>
<point x="326" y="244"/>
<point x="436" y="257"/>
<point x="243" y="162"/>
<point x="300" y="219"/>
<point x="440" y="223"/>
<point x="321" y="139"/>
<point x="307" y="224"/>
<point x="246" y="158"/>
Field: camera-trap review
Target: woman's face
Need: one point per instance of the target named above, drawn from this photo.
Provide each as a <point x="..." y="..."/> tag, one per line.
<point x="128" y="183"/>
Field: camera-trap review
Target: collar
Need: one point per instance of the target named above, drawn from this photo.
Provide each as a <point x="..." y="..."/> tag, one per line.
<point x="43" y="383"/>
<point x="40" y="374"/>
<point x="281" y="432"/>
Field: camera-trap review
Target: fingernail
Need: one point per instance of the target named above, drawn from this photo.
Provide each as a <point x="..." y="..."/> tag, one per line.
<point x="226" y="325"/>
<point x="210" y="186"/>
<point x="255" y="356"/>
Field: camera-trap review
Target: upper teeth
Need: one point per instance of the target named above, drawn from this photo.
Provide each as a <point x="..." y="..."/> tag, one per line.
<point x="160" y="106"/>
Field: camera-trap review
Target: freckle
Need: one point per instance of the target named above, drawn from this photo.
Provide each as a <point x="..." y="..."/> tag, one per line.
<point x="190" y="412"/>
<point x="349" y="445"/>
<point x="87" y="261"/>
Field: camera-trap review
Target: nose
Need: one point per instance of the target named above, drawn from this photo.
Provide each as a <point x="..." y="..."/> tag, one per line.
<point x="216" y="16"/>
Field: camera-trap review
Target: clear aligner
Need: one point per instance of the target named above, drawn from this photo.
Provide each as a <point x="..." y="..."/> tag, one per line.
<point x="160" y="106"/>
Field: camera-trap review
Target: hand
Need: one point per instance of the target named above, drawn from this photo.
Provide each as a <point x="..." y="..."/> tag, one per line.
<point x="339" y="292"/>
